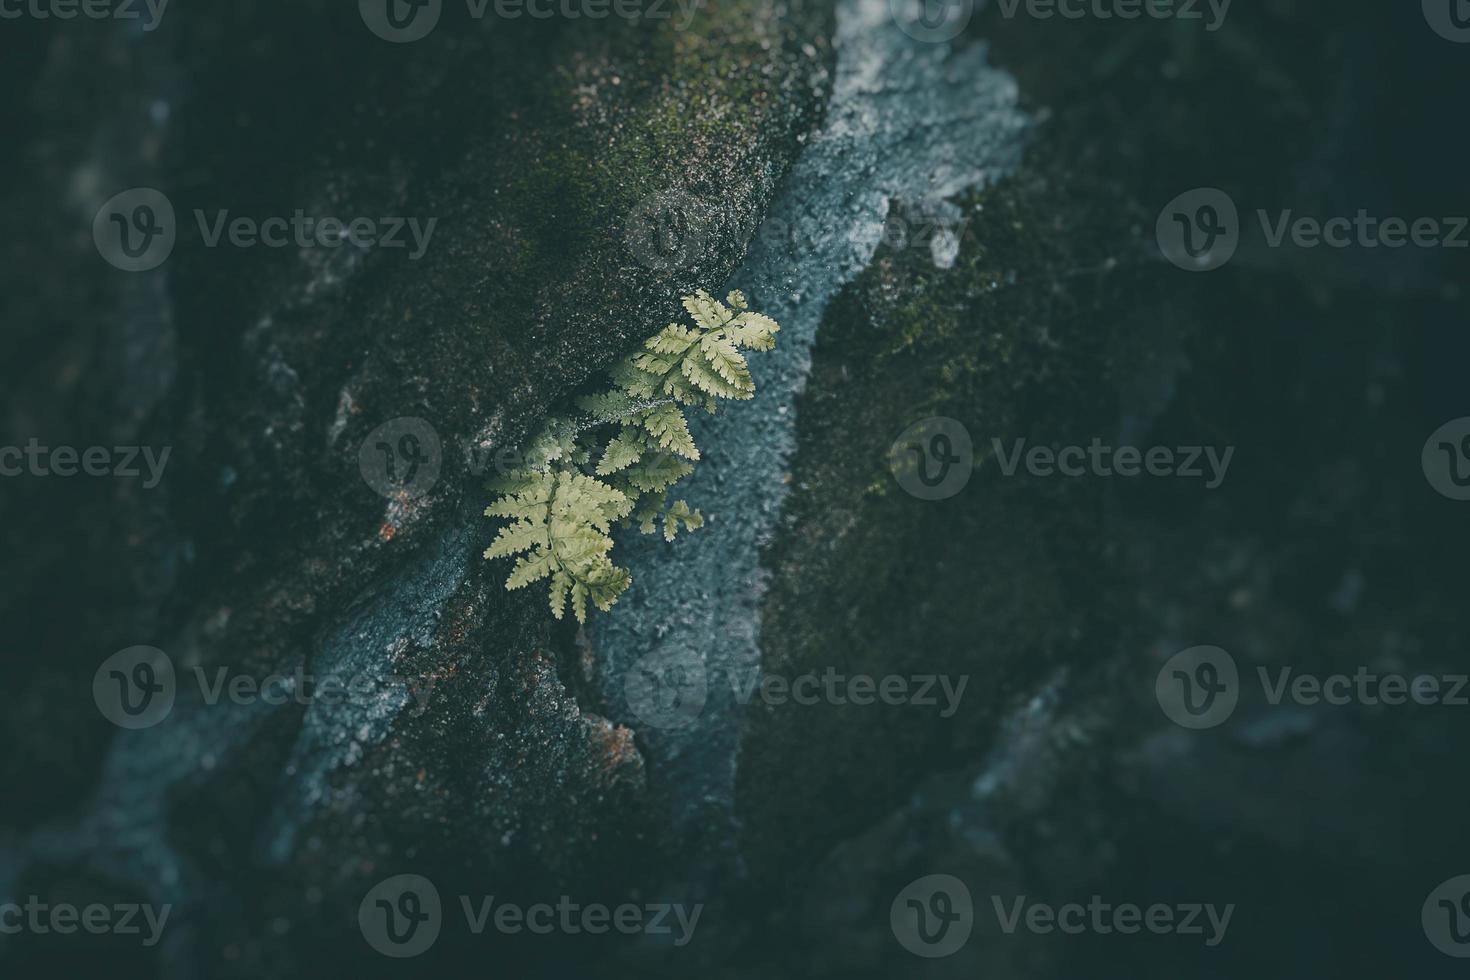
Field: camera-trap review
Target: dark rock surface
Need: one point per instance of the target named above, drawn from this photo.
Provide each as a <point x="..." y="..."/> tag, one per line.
<point x="265" y="550"/>
<point x="506" y="763"/>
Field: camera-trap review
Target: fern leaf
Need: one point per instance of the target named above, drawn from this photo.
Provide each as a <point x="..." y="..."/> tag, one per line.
<point x="635" y="435"/>
<point x="722" y="357"/>
<point x="707" y="311"/>
<point x="670" y="430"/>
<point x="609" y="583"/>
<point x="658" y="472"/>
<point x="591" y="500"/>
<point x="523" y="483"/>
<point x="693" y="519"/>
<point x="681" y="390"/>
<point x="673" y="339"/>
<point x="516" y="537"/>
<point x="656" y="364"/>
<point x="635" y="381"/>
<point x="649" y="509"/>
<point x="556" y="441"/>
<point x="561" y="584"/>
<point x="753" y="330"/>
<point x="578" y="546"/>
<point x="519" y="508"/>
<point x="530" y="568"/>
<point x="706" y="380"/>
<point x="623" y="451"/>
<point x="579" y="602"/>
<point x="606" y="406"/>
<point x="677" y="513"/>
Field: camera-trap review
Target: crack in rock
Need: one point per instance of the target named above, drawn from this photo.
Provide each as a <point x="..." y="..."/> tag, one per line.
<point x="909" y="122"/>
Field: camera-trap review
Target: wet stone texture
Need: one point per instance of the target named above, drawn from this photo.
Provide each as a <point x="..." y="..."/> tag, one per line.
<point x="265" y="550"/>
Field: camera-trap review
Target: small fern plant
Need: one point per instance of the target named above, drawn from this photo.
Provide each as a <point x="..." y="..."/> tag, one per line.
<point x="615" y="462"/>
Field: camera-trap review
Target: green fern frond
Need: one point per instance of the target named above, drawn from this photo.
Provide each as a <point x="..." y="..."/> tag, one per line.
<point x="515" y="538"/>
<point x="669" y="430"/>
<point x="707" y="380"/>
<point x="635" y="435"/>
<point x="530" y="568"/>
<point x="680" y="512"/>
<point x="622" y="452"/>
<point x="707" y="311"/>
<point x="673" y="339"/>
<point x="657" y="472"/>
<point x="725" y="360"/>
<point x="755" y="331"/>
